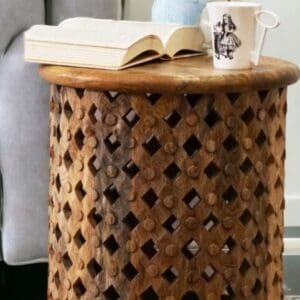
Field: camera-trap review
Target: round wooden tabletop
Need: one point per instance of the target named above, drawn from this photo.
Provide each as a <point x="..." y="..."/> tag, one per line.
<point x="189" y="75"/>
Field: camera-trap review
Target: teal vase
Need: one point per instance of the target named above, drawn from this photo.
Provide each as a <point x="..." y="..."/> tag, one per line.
<point x="185" y="12"/>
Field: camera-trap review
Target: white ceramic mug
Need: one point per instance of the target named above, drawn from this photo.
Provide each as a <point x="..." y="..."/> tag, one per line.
<point x="233" y="26"/>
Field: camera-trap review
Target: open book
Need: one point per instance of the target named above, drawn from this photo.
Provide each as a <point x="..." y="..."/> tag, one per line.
<point x="109" y="44"/>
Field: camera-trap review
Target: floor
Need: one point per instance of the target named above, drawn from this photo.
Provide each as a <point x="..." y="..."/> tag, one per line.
<point x="29" y="282"/>
<point x="23" y="283"/>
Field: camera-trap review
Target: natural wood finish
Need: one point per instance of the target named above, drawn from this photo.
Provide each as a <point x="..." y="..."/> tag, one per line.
<point x="191" y="75"/>
<point x="170" y="188"/>
<point x="121" y="218"/>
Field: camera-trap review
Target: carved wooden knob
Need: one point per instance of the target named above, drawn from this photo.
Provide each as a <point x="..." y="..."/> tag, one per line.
<point x="211" y="199"/>
<point x="168" y="201"/>
<point x="152" y="270"/>
<point x="131" y="246"/>
<point x="111" y="171"/>
<point x="192" y="119"/>
<point x="149" y="224"/>
<point x="211" y="146"/>
<point x="110" y="119"/>
<point x="170" y="148"/>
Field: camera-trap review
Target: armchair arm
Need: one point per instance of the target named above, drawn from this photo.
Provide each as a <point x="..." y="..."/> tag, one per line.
<point x="17" y="15"/>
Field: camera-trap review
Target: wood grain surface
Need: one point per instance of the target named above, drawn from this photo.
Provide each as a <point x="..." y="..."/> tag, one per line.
<point x="171" y="197"/>
<point x="190" y="75"/>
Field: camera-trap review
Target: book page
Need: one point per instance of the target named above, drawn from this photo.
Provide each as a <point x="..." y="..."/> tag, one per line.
<point x="131" y="28"/>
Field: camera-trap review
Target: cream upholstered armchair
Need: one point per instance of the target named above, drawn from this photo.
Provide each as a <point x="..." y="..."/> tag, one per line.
<point x="24" y="124"/>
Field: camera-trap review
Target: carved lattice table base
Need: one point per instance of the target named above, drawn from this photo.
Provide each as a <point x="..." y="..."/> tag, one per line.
<point x="166" y="197"/>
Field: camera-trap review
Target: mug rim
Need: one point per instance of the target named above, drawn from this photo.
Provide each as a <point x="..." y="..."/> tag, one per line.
<point x="234" y="4"/>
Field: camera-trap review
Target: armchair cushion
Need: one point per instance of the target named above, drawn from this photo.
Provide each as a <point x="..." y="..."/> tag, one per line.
<point x="23" y="157"/>
<point x="17" y="15"/>
<point x="58" y="10"/>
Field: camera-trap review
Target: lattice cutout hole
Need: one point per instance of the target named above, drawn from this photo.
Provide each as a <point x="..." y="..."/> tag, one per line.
<point x="192" y="198"/>
<point x="192" y="145"/>
<point x="131" y="169"/>
<point x="172" y="171"/>
<point x="149" y="294"/>
<point x="153" y="98"/>
<point x="171" y="224"/>
<point x="67" y="262"/>
<point x="279" y="133"/>
<point x="79" y="239"/>
<point x="263" y="95"/>
<point x="57" y="280"/>
<point x="246" y="217"/>
<point x="212" y="118"/>
<point x="212" y="170"/>
<point x="111" y="244"/>
<point x="276" y="279"/>
<point x="68" y="160"/>
<point x="246" y="166"/>
<point x="94" y="165"/>
<point x="95" y="114"/>
<point x="94" y="268"/>
<point x="260" y="190"/>
<point x="111" y="194"/>
<point x="261" y="139"/>
<point x="190" y="295"/>
<point x="111" y="95"/>
<point x="192" y="99"/>
<point x="94" y="217"/>
<point x="245" y="267"/>
<point x="67" y="211"/>
<point x="257" y="287"/>
<point x="278" y="183"/>
<point x="149" y="249"/>
<point x="129" y="271"/>
<point x="233" y="97"/>
<point x="111" y="142"/>
<point x="210" y="222"/>
<point x="152" y="145"/>
<point x="228" y="294"/>
<point x="58" y="134"/>
<point x="79" y="92"/>
<point x="68" y="111"/>
<point x="272" y="111"/>
<point x="150" y="198"/>
<point x="228" y="245"/>
<point x="248" y="116"/>
<point x="171" y="274"/>
<point x="58" y="183"/>
<point x="111" y="294"/>
<point x="57" y="232"/>
<point x="80" y="191"/>
<point x="131" y="221"/>
<point x="208" y="273"/>
<point x="230" y="143"/>
<point x="269" y="210"/>
<point x="229" y="195"/>
<point x="131" y="118"/>
<point x="258" y="238"/>
<point x="190" y="249"/>
<point x="79" y="139"/>
<point x="172" y="119"/>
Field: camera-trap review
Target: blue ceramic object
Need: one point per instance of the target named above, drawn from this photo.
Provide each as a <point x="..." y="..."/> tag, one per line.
<point x="186" y="12"/>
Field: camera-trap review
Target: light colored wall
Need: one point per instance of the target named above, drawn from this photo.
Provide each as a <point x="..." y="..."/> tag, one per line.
<point x="284" y="42"/>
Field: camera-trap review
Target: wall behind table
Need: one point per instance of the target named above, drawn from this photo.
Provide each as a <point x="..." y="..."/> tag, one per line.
<point x="284" y="42"/>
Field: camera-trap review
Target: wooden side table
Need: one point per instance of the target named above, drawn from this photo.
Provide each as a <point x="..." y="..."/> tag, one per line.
<point x="167" y="181"/>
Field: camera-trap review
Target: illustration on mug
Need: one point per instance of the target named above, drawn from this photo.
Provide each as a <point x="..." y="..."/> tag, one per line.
<point x="225" y="41"/>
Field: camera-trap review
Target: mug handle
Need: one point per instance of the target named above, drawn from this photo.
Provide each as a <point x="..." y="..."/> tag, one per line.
<point x="265" y="26"/>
